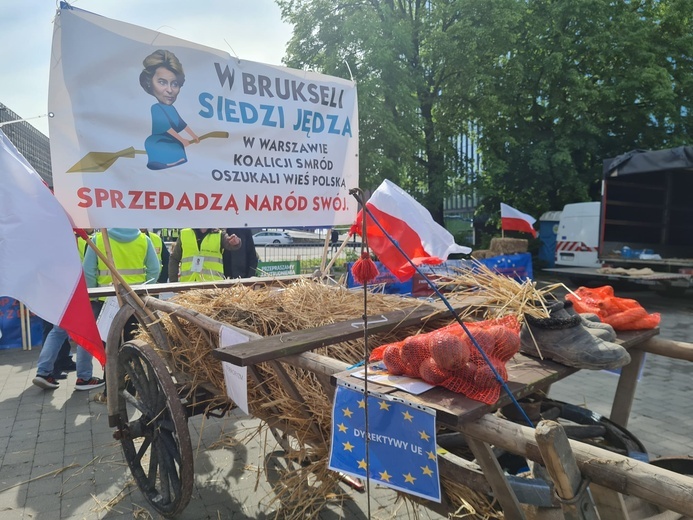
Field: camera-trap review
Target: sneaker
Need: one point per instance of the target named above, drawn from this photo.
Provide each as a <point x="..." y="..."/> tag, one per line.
<point x="45" y="382"/>
<point x="90" y="384"/>
<point x="59" y="375"/>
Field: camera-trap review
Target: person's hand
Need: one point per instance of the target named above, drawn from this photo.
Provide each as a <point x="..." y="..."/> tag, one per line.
<point x="233" y="240"/>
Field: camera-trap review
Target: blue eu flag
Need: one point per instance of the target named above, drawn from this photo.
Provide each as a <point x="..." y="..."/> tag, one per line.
<point x="401" y="442"/>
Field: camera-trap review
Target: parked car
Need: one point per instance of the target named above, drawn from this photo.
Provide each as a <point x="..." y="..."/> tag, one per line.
<point x="264" y="238"/>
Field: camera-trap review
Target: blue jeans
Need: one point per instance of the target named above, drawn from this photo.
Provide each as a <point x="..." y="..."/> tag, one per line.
<point x="50" y="350"/>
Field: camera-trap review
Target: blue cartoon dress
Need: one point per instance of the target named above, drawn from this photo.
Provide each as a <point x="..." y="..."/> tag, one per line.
<point x="164" y="150"/>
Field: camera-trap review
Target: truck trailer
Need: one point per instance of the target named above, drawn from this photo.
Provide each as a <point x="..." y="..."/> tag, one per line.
<point x="645" y="224"/>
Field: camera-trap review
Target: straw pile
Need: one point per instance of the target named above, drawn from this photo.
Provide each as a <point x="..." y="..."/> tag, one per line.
<point x="501" y="295"/>
<point x="302" y="305"/>
<point x="308" y="485"/>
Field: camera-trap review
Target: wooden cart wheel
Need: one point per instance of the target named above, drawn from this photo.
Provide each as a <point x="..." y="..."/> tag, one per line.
<point x="153" y="429"/>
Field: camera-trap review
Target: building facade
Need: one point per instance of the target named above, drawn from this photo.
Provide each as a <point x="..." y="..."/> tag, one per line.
<point x="30" y="142"/>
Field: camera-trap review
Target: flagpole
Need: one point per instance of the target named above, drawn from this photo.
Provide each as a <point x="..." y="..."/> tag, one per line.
<point x="27" y="317"/>
<point x="23" y="325"/>
<point x="364" y="247"/>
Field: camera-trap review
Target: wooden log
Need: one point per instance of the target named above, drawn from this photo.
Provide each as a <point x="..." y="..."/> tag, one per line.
<point x="560" y="463"/>
<point x="628" y="476"/>
<point x="668" y="348"/>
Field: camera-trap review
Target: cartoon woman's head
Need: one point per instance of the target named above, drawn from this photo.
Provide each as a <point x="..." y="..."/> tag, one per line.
<point x="162" y="76"/>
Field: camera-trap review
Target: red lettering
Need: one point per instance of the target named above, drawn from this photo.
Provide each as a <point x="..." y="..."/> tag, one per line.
<point x="330" y="203"/>
<point x="201" y="201"/>
<point x="101" y="196"/>
<point x="117" y="199"/>
<point x="265" y="204"/>
<point x="135" y="201"/>
<point x="250" y="202"/>
<point x="150" y="200"/>
<point x="184" y="203"/>
<point x="83" y="195"/>
<point x="216" y="197"/>
<point x="165" y="200"/>
<point x="231" y="204"/>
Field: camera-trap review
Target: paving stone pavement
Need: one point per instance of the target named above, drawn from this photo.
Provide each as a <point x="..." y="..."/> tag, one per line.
<point x="58" y="458"/>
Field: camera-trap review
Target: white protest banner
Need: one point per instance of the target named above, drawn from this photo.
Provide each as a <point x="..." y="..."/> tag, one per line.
<point x="235" y="377"/>
<point x="154" y="131"/>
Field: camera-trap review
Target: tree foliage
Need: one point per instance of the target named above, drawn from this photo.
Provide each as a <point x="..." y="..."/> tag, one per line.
<point x="556" y="87"/>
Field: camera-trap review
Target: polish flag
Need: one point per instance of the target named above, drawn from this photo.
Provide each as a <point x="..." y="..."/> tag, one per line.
<point x="422" y="239"/>
<point x="514" y="220"/>
<point x="40" y="263"/>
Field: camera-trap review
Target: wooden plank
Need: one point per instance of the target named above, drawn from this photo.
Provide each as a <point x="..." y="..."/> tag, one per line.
<point x="634" y="338"/>
<point x="176" y="287"/>
<point x="300" y="341"/>
<point x="527" y="375"/>
<point x="494" y="474"/>
<point x="560" y="462"/>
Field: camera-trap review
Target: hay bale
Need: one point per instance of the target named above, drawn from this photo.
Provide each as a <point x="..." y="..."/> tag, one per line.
<point x="508" y="246"/>
<point x="480" y="254"/>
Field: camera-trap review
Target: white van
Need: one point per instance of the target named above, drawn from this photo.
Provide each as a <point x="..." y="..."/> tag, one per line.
<point x="577" y="240"/>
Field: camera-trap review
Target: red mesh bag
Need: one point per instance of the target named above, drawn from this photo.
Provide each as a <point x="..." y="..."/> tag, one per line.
<point x="392" y="359"/>
<point x="450" y="351"/>
<point x="377" y="352"/>
<point x="432" y="373"/>
<point x="477" y="381"/>
<point x="620" y="313"/>
<point x="633" y="319"/>
<point x="506" y="342"/>
<point x="447" y="356"/>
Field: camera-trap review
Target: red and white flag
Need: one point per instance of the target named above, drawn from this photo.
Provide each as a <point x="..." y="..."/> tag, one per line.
<point x="40" y="263"/>
<point x="514" y="220"/>
<point x="421" y="238"/>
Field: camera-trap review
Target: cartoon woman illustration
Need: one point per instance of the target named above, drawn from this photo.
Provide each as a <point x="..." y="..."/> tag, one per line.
<point x="163" y="78"/>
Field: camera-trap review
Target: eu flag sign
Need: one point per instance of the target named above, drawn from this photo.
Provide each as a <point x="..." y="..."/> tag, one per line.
<point x="400" y="440"/>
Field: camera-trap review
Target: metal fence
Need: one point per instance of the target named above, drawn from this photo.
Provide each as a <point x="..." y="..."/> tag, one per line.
<point x="309" y="255"/>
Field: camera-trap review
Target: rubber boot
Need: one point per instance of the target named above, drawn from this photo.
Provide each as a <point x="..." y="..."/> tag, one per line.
<point x="567" y="341"/>
<point x="593" y="323"/>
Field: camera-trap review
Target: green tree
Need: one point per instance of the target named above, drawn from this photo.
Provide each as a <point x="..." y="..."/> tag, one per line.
<point x="398" y="52"/>
<point x="555" y="86"/>
<point x="581" y="82"/>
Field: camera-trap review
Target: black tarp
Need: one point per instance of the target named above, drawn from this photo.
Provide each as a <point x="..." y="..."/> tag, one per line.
<point x="645" y="161"/>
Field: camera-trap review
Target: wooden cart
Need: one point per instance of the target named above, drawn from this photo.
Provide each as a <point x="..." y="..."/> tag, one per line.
<point x="149" y="402"/>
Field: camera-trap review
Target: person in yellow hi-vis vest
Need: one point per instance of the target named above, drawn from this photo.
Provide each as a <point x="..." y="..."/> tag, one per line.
<point x="161" y="251"/>
<point x="197" y="255"/>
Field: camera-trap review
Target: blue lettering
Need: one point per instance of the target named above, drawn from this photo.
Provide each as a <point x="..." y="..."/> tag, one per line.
<point x="207" y="110"/>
